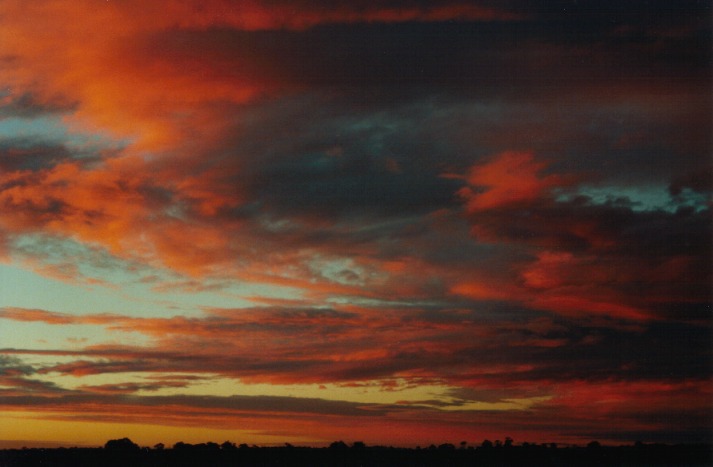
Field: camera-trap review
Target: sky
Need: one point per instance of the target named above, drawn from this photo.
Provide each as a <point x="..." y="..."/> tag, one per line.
<point x="401" y="222"/>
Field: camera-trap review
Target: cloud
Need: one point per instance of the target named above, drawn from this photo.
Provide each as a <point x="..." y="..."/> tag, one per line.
<point x="548" y="420"/>
<point x="16" y="378"/>
<point x="122" y="79"/>
<point x="509" y="179"/>
<point x="557" y="362"/>
<point x="463" y="347"/>
<point x="195" y="97"/>
<point x="20" y="314"/>
<point x="129" y="388"/>
<point x="589" y="257"/>
<point x="459" y="195"/>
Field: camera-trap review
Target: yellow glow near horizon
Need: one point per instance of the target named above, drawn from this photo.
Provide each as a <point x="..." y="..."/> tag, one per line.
<point x="369" y="392"/>
<point x="30" y="429"/>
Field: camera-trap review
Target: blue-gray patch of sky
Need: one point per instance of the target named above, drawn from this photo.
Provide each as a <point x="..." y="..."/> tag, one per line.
<point x="379" y="303"/>
<point x="340" y="270"/>
<point x="22" y="288"/>
<point x="72" y="268"/>
<point x="87" y="260"/>
<point x="642" y="198"/>
<point x="48" y="128"/>
<point x="52" y="129"/>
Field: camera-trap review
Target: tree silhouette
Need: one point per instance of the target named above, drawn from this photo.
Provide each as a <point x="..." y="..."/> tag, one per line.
<point x="121" y="445"/>
<point x="338" y="445"/>
<point x="228" y="446"/>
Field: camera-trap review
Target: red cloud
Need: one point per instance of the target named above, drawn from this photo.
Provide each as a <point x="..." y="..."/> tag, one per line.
<point x="586" y="258"/>
<point x="567" y="284"/>
<point x="170" y="105"/>
<point x="481" y="357"/>
<point x="108" y="68"/>
<point x="510" y="178"/>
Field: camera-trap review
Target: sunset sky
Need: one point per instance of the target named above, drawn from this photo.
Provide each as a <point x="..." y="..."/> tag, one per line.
<point x="400" y="222"/>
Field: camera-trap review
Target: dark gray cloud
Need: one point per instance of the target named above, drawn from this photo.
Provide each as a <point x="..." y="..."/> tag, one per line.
<point x="19" y="155"/>
<point x="28" y="106"/>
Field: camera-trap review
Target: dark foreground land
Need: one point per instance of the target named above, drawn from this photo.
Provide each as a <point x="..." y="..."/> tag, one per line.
<point x="339" y="454"/>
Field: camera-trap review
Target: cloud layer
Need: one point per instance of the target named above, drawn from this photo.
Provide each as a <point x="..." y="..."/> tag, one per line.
<point x="500" y="211"/>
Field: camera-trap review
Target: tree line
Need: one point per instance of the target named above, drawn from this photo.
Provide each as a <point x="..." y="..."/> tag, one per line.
<point x="124" y="452"/>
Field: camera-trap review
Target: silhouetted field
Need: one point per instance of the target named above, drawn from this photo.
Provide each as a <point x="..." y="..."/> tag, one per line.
<point x="125" y="453"/>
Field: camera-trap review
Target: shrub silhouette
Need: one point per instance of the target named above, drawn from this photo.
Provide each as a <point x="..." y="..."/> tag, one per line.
<point x="121" y="445"/>
<point x="338" y="445"/>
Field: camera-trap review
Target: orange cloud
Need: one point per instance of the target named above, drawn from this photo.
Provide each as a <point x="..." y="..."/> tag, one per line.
<point x="507" y="179"/>
<point x="169" y="102"/>
<point x="485" y="290"/>
<point x="23" y="314"/>
<point x="104" y="206"/>
<point x="100" y="58"/>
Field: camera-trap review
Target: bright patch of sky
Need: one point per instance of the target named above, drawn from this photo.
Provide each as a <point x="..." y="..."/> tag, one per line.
<point x="119" y="293"/>
<point x="61" y="275"/>
<point x="377" y="303"/>
<point x="342" y="271"/>
<point x="25" y="289"/>
<point x="37" y="336"/>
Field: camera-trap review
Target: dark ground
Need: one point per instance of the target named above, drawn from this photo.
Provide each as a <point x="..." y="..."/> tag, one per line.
<point x="125" y="453"/>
